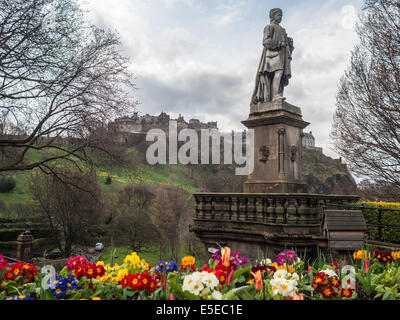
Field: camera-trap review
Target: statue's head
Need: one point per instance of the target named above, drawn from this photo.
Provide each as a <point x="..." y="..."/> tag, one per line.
<point x="276" y="15"/>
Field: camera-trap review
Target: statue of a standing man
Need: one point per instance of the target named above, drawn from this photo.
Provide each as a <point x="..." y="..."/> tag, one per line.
<point x="274" y="71"/>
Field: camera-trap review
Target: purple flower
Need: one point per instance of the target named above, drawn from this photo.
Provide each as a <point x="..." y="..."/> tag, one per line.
<point x="288" y="256"/>
<point x="217" y="256"/>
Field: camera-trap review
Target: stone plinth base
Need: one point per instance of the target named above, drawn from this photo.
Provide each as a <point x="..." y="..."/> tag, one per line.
<point x="260" y="224"/>
<point x="278" y="130"/>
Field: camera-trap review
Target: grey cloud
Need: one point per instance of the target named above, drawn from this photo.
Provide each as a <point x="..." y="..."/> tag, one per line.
<point x="202" y="92"/>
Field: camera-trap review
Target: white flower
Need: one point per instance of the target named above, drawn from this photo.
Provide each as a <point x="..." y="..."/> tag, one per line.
<point x="276" y="285"/>
<point x="295" y="276"/>
<point x="205" y="291"/>
<point x="287" y="288"/>
<point x="280" y="274"/>
<point x="196" y="287"/>
<point x="216" y="295"/>
<point x="329" y="272"/>
<point x="266" y="262"/>
<point x="187" y="282"/>
<point x="192" y="284"/>
<point x="210" y="280"/>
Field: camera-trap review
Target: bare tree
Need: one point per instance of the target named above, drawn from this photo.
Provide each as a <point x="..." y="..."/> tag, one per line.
<point x="366" y="128"/>
<point x="60" y="80"/>
<point x="71" y="212"/>
<point x="170" y="205"/>
<point x="130" y="221"/>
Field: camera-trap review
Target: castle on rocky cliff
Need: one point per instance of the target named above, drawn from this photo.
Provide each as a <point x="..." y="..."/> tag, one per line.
<point x="126" y="130"/>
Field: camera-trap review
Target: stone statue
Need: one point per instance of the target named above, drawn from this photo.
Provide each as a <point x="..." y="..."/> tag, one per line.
<point x="274" y="71"/>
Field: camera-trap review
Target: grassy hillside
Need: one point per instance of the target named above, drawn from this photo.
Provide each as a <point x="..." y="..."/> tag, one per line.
<point x="322" y="173"/>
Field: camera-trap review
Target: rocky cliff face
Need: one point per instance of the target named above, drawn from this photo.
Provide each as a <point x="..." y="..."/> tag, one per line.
<point x="325" y="175"/>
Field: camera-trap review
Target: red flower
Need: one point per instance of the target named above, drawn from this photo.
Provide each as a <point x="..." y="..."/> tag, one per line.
<point x="222" y="268"/>
<point x="185" y="267"/>
<point x="153" y="285"/>
<point x="385" y="257"/>
<point x="222" y="276"/>
<point x="145" y="280"/>
<point x="100" y="271"/>
<point x="346" y="293"/>
<point x="90" y="271"/>
<point x="125" y="281"/>
<point x="206" y="268"/>
<point x="327" y="292"/>
<point x="135" y="282"/>
<point x="9" y="275"/>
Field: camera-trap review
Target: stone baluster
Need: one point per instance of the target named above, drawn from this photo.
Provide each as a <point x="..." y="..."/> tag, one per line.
<point x="218" y="205"/>
<point x="235" y="209"/>
<point x="252" y="209"/>
<point x="292" y="211"/>
<point x="243" y="214"/>
<point x="197" y="206"/>
<point x="225" y="215"/>
<point x="280" y="210"/>
<point x="270" y="212"/>
<point x="304" y="211"/>
<point x="316" y="210"/>
<point x="207" y="208"/>
<point x="260" y="213"/>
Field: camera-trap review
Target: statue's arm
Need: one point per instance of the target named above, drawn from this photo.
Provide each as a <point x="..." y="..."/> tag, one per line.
<point x="290" y="42"/>
<point x="269" y="40"/>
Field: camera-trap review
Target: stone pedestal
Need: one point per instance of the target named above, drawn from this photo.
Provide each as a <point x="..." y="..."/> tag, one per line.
<point x="278" y="129"/>
<point x="24" y="246"/>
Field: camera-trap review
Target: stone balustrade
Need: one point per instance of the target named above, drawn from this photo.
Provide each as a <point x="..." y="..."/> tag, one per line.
<point x="274" y="208"/>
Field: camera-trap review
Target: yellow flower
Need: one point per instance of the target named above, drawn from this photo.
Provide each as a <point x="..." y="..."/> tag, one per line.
<point x="396" y="255"/>
<point x="285" y="267"/>
<point x="360" y="254"/>
<point x="96" y="298"/>
<point x="132" y="260"/>
<point x="144" y="265"/>
<point x="121" y="274"/>
<point x="188" y="261"/>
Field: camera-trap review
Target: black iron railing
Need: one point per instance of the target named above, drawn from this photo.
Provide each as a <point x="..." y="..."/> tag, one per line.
<point x="375" y="221"/>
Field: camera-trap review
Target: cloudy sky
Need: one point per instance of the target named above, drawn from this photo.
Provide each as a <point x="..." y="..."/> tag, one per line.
<point x="199" y="57"/>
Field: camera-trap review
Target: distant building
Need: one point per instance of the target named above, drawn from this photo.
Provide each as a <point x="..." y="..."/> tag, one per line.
<point x="308" y="142"/>
<point x="125" y="129"/>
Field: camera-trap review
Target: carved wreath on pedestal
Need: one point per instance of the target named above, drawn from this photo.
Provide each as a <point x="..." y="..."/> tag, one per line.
<point x="293" y="151"/>
<point x="263" y="154"/>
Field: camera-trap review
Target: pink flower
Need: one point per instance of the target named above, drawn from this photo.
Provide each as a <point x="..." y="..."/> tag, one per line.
<point x="309" y="269"/>
<point x="171" y="296"/>
<point x="230" y="278"/>
<point x="366" y="265"/>
<point x="297" y="297"/>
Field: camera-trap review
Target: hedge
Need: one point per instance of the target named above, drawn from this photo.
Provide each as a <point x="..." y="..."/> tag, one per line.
<point x="388" y="218"/>
<point x="11" y="234"/>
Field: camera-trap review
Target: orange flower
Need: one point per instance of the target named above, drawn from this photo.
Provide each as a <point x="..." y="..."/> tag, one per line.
<point x="258" y="280"/>
<point x="297" y="297"/>
<point x="226" y="256"/>
<point x="286" y="267"/>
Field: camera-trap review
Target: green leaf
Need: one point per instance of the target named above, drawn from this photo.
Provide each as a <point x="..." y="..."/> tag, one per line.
<point x="64" y="272"/>
<point x="236" y="293"/>
<point x="239" y="273"/>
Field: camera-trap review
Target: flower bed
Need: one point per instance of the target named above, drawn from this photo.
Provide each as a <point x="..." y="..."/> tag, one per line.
<point x="227" y="276"/>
